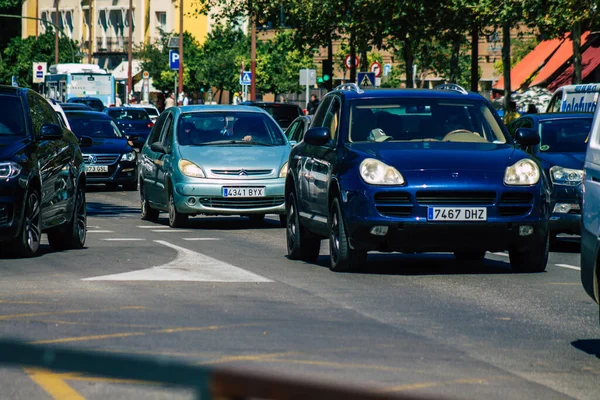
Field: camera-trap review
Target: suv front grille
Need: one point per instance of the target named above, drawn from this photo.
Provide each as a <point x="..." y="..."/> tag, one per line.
<point x="514" y="204"/>
<point x="101" y="159"/>
<point x="242" y="172"/>
<point x="393" y="204"/>
<point x="245" y="203"/>
<point x="455" y="197"/>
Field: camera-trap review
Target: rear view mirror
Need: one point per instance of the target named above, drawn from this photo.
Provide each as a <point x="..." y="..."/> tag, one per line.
<point x="317" y="136"/>
<point x="85" y="141"/>
<point x="527" y="137"/>
<point x="51" y="132"/>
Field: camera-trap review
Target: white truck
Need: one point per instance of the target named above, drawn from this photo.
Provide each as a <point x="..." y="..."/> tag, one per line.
<point x="575" y="98"/>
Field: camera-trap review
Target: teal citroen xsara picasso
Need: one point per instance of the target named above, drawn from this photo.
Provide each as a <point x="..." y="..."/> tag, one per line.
<point x="213" y="160"/>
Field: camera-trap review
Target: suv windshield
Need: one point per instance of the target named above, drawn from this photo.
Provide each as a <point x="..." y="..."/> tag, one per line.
<point x="421" y="119"/>
<point x="565" y="135"/>
<point x="213" y="128"/>
<point x="95" y="104"/>
<point x="129" y="115"/>
<point x="12" y="120"/>
<point x="98" y="128"/>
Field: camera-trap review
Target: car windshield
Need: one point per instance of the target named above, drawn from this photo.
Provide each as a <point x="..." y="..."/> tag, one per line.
<point x="94" y="127"/>
<point x="283" y="114"/>
<point x="129" y="115"/>
<point x="419" y="119"/>
<point x="151" y="111"/>
<point x="218" y="128"/>
<point x="12" y="119"/>
<point x="93" y="103"/>
<point x="565" y="135"/>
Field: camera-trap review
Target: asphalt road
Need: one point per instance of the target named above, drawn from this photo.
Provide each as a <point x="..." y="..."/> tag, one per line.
<point x="221" y="292"/>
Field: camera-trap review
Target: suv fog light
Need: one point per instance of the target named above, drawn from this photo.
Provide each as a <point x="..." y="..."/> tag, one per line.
<point x="565" y="208"/>
<point x="191" y="201"/>
<point x="379" y="230"/>
<point x="525" y="230"/>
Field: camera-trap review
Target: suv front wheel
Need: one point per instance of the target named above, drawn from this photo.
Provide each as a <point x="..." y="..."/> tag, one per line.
<point x="343" y="257"/>
<point x="301" y="245"/>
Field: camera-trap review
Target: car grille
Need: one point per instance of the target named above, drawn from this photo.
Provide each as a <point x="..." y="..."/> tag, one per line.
<point x="101" y="159"/>
<point x="455" y="197"/>
<point x="242" y="172"/>
<point x="242" y="203"/>
<point x="514" y="204"/>
<point x="393" y="204"/>
<point x="4" y="214"/>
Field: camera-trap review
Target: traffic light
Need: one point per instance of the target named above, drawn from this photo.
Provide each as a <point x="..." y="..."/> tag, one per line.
<point x="327" y="74"/>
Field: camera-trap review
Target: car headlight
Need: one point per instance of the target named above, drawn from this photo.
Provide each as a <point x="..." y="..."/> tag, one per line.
<point x="523" y="173"/>
<point x="375" y="172"/>
<point x="128" y="156"/>
<point x="9" y="170"/>
<point x="566" y="176"/>
<point x="188" y="168"/>
<point x="283" y="170"/>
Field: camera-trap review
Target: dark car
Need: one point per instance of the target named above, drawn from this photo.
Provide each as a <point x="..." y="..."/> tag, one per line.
<point x="295" y="132"/>
<point x="282" y="113"/>
<point x="132" y="121"/>
<point x="75" y="106"/>
<point x="415" y="171"/>
<point x="42" y="176"/>
<point x="561" y="153"/>
<point x="93" y="102"/>
<point x="108" y="157"/>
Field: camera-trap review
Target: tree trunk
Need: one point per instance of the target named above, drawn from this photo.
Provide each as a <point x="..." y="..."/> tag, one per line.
<point x="474" y="57"/>
<point x="364" y="62"/>
<point x="220" y="95"/>
<point x="409" y="59"/>
<point x="506" y="64"/>
<point x="454" y="68"/>
<point x="352" y="57"/>
<point x="576" y="37"/>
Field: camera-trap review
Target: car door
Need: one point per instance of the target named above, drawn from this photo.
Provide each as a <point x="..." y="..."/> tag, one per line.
<point x="54" y="162"/>
<point x="164" y="161"/>
<point x="148" y="158"/>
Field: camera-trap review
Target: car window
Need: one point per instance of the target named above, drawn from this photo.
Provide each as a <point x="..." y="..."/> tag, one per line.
<point x="423" y="119"/>
<point x="321" y="112"/>
<point x="228" y="127"/>
<point x="129" y="115"/>
<point x="527" y="123"/>
<point x="554" y="105"/>
<point x="299" y="134"/>
<point x="291" y="132"/>
<point x="49" y="113"/>
<point x="38" y="117"/>
<point x="12" y="117"/>
<point x="565" y="135"/>
<point x="513" y="126"/>
<point x="167" y="131"/>
<point x="94" y="127"/>
<point x="157" y="128"/>
<point x="151" y="111"/>
<point x="332" y="118"/>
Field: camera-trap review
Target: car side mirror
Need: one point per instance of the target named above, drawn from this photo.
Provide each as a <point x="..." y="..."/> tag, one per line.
<point x="133" y="138"/>
<point x="85" y="141"/>
<point x="293" y="142"/>
<point x="527" y="137"/>
<point x="158" y="147"/>
<point x="51" y="132"/>
<point x="317" y="136"/>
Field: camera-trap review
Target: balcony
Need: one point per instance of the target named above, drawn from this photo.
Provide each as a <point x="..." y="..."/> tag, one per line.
<point x="112" y="44"/>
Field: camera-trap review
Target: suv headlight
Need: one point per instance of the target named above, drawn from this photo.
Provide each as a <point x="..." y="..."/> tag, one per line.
<point x="566" y="176"/>
<point x="283" y="170"/>
<point x="128" y="156"/>
<point x="375" y="172"/>
<point x="188" y="168"/>
<point x="523" y="173"/>
<point x="9" y="170"/>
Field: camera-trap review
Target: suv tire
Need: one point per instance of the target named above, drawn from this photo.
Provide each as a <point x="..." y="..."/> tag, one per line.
<point x="533" y="259"/>
<point x="73" y="234"/>
<point x="301" y="245"/>
<point x="27" y="243"/>
<point x="343" y="257"/>
<point x="176" y="219"/>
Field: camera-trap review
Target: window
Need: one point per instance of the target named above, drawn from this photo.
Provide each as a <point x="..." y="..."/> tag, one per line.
<point x="129" y="115"/>
<point x="332" y="118"/>
<point x="94" y="127"/>
<point x="565" y="135"/>
<point x="322" y="112"/>
<point x="156" y="130"/>
<point x="12" y="118"/>
<point x="161" y="21"/>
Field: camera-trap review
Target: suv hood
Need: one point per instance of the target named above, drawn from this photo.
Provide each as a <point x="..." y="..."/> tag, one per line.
<point x="567" y="160"/>
<point x="412" y="156"/>
<point x="107" y="146"/>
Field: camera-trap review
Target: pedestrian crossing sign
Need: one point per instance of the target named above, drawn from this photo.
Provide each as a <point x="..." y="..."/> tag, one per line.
<point x="366" y="79"/>
<point x="246" y="78"/>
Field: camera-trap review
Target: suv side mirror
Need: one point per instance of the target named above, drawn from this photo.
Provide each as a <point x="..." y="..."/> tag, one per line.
<point x="527" y="137"/>
<point x="85" y="141"/>
<point x="317" y="136"/>
<point x="51" y="132"/>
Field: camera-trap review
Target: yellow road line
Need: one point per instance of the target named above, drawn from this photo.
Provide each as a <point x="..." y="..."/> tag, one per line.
<point x="565" y="283"/>
<point x="42" y="314"/>
<point x="62" y="322"/>
<point x="54" y="385"/>
<point x="25" y="302"/>
<point x="249" y="357"/>
<point x="426" y="385"/>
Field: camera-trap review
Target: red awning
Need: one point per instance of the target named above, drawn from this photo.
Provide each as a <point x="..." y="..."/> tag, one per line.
<point x="558" y="59"/>
<point x="529" y="65"/>
<point x="590" y="60"/>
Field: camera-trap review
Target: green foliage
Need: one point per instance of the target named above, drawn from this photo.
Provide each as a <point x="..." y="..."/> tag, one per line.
<point x="19" y="54"/>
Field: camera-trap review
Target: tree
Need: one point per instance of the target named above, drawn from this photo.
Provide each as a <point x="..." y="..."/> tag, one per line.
<point x="19" y="54"/>
<point x="9" y="27"/>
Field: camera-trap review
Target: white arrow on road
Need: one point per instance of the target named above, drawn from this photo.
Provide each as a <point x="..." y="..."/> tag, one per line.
<point x="187" y="266"/>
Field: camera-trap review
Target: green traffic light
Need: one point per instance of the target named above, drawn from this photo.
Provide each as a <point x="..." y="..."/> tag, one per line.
<point x="326" y="78"/>
<point x="320" y="80"/>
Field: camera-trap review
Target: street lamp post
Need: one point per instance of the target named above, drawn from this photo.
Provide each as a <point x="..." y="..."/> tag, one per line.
<point x="56" y="33"/>
<point x="180" y="73"/>
<point x="90" y="30"/>
<point x="129" y="53"/>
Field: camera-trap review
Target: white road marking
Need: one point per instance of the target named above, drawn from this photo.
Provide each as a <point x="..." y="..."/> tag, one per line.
<point x="195" y="239"/>
<point x="123" y="239"/>
<point x="93" y="226"/>
<point x="147" y="226"/>
<point x="99" y="231"/>
<point x="500" y="254"/>
<point x="171" y="230"/>
<point x="187" y="266"/>
<point x="568" y="266"/>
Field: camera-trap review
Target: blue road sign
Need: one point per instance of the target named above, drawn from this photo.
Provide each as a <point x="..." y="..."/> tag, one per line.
<point x="14" y="81"/>
<point x="174" y="59"/>
<point x="246" y="78"/>
<point x="366" y="79"/>
<point x="387" y="68"/>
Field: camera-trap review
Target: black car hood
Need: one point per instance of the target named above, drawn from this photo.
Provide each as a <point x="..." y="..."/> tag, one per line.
<point x="107" y="146"/>
<point x="9" y="145"/>
<point x="442" y="155"/>
<point x="567" y="160"/>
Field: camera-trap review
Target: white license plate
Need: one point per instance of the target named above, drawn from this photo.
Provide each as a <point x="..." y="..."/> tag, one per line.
<point x="96" y="168"/>
<point x="243" y="192"/>
<point x="456" y="213"/>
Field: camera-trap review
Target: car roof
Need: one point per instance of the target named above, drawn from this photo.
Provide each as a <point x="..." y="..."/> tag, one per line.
<point x="6" y="89"/>
<point x="84" y="113"/>
<point x="407" y="93"/>
<point x="75" y="106"/>
<point x="83" y="98"/>
<point x="221" y="108"/>
<point x="123" y="108"/>
<point x="267" y="103"/>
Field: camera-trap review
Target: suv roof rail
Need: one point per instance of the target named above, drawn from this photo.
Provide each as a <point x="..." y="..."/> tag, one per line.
<point x="451" y="86"/>
<point x="350" y="86"/>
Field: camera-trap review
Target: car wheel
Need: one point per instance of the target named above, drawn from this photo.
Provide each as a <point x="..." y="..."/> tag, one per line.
<point x="27" y="244"/>
<point x="469" y="255"/>
<point x="533" y="259"/>
<point x="301" y="245"/>
<point x="176" y="219"/>
<point x="148" y="213"/>
<point x="256" y="218"/>
<point x="283" y="220"/>
<point x="131" y="187"/>
<point x="73" y="234"/>
<point x="343" y="257"/>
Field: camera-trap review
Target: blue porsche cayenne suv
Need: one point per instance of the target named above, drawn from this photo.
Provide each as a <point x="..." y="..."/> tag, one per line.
<point x="415" y="171"/>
